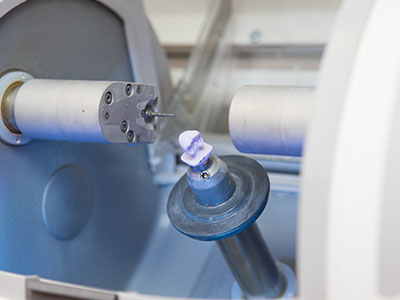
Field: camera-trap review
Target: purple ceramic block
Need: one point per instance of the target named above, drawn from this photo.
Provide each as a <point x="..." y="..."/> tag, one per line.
<point x="190" y="141"/>
<point x="196" y="151"/>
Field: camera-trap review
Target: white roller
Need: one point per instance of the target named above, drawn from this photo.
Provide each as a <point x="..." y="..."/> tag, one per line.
<point x="60" y="109"/>
<point x="270" y="120"/>
<point x="84" y="111"/>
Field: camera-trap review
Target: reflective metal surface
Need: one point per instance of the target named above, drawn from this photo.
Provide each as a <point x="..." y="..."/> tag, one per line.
<point x="251" y="263"/>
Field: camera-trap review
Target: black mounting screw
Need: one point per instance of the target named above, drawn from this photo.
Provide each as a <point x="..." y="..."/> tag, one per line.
<point x="128" y="89"/>
<point x="138" y="89"/>
<point x="106" y="115"/>
<point x="108" y="98"/>
<point x="124" y="126"/>
<point x="130" y="136"/>
<point x="205" y="175"/>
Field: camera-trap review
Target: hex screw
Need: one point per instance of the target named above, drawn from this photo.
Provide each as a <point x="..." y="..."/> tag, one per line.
<point x="108" y="98"/>
<point x="130" y="136"/>
<point x="205" y="175"/>
<point x="106" y="115"/>
<point x="255" y="37"/>
<point x="128" y="89"/>
<point x="124" y="126"/>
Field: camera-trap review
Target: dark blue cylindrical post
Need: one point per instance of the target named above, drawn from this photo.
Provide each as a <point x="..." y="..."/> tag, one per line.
<point x="220" y="200"/>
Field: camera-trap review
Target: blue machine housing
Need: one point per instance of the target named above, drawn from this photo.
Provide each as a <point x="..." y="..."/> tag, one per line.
<point x="79" y="213"/>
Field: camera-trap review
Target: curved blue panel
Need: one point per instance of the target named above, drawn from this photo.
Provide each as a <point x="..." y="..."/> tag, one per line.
<point x="79" y="213"/>
<point x="67" y="202"/>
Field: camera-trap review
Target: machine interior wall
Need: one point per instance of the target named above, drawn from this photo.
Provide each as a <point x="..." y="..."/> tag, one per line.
<point x="72" y="39"/>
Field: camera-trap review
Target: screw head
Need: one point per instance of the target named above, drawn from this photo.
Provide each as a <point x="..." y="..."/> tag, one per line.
<point x="108" y="98"/>
<point x="205" y="175"/>
<point x="256" y="37"/>
<point x="106" y="115"/>
<point x="124" y="126"/>
<point x="128" y="89"/>
<point x="130" y="136"/>
<point x="138" y="89"/>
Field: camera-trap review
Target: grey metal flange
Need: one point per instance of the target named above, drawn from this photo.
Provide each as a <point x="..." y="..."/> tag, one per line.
<point x="207" y="222"/>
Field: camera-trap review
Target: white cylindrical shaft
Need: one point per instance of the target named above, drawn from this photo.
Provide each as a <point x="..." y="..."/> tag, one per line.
<point x="60" y="109"/>
<point x="270" y="120"/>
